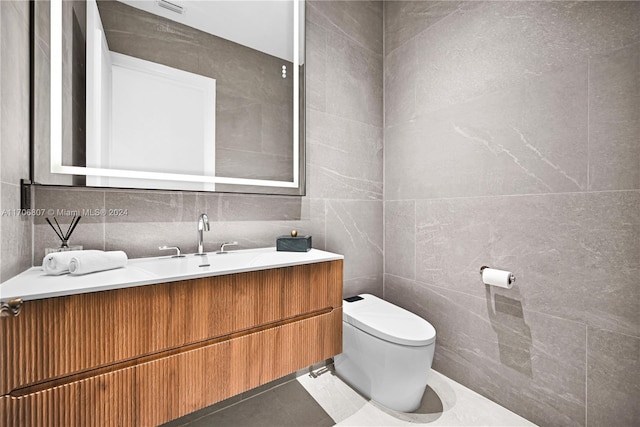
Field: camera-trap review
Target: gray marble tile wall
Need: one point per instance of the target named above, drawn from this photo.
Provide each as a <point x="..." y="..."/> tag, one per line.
<point x="343" y="206"/>
<point x="512" y="139"/>
<point x="15" y="229"/>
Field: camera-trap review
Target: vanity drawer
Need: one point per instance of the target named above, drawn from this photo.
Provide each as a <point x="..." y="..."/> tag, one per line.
<point x="154" y="392"/>
<point x="104" y="400"/>
<point x="178" y="385"/>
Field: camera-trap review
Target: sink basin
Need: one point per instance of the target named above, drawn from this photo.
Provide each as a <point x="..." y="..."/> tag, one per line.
<point x="192" y="264"/>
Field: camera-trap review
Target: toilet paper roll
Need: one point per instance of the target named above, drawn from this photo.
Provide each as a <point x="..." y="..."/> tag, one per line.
<point x="500" y="278"/>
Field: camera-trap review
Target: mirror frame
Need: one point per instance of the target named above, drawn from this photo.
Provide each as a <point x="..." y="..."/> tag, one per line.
<point x="55" y="130"/>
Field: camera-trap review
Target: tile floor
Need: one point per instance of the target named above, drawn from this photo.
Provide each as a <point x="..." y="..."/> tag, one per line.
<point x="327" y="401"/>
<point x="286" y="405"/>
<point x="445" y="403"/>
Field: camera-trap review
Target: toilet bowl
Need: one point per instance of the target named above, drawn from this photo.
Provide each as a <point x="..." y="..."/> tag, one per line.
<point x="387" y="352"/>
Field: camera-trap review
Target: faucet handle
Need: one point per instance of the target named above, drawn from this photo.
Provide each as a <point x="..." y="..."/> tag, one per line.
<point x="168" y="248"/>
<point x="222" y="246"/>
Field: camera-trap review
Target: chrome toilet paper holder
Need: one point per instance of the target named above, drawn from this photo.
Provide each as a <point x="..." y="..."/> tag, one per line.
<point x="512" y="277"/>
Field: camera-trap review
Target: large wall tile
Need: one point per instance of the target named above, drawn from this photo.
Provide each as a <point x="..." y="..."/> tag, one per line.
<point x="553" y="127"/>
<point x="63" y="203"/>
<point x="15" y="230"/>
<point x="528" y="139"/>
<point x="529" y="362"/>
<point x="244" y="207"/>
<point x="613" y="379"/>
<point x="611" y="249"/>
<point x="401" y="75"/>
<point x="400" y="238"/>
<point x="344" y="158"/>
<point x="560" y="269"/>
<point x="14" y="90"/>
<point x="406" y="19"/>
<point x="252" y="221"/>
<point x="435" y="156"/>
<point x="262" y="234"/>
<point x="614" y="120"/>
<point x="316" y="67"/>
<point x="468" y="57"/>
<point x="263" y="230"/>
<point x="489" y="46"/>
<point x="253" y="234"/>
<point x="353" y="81"/>
<point x="146" y="206"/>
<point x="16" y="249"/>
<point x="354" y="230"/>
<point x="364" y="285"/>
<point x="360" y="22"/>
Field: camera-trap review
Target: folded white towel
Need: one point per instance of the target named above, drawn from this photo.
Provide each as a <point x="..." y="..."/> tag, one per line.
<point x="57" y="263"/>
<point x="90" y="262"/>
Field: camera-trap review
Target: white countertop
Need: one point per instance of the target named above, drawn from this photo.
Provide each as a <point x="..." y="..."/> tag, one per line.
<point x="34" y="284"/>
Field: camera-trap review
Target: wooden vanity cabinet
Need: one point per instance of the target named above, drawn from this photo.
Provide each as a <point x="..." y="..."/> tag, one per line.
<point x="146" y="355"/>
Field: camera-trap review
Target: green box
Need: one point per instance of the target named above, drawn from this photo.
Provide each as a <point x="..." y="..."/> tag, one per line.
<point x="293" y="244"/>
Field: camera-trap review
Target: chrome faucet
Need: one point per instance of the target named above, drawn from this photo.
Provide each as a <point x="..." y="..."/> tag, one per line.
<point x="171" y="248"/>
<point x="203" y="225"/>
<point x="224" y="245"/>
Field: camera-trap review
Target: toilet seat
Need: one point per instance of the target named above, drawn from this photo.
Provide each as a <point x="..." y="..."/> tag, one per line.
<point x="388" y="322"/>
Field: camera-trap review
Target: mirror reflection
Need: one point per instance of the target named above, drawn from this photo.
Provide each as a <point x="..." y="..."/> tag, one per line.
<point x="203" y="89"/>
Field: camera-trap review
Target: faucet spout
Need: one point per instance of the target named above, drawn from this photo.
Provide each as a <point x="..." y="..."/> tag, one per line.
<point x="203" y="225"/>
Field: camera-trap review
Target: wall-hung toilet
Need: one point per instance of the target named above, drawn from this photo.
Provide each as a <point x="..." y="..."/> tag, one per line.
<point x="387" y="352"/>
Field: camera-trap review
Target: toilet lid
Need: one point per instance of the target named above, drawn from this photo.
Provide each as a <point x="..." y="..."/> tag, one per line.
<point x="388" y="322"/>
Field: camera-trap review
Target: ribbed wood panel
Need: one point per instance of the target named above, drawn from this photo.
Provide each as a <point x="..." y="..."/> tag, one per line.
<point x="155" y="392"/>
<point x="56" y="337"/>
<point x="104" y="400"/>
<point x="177" y="385"/>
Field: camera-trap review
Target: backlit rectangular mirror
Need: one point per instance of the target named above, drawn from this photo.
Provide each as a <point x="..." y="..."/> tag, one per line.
<point x="180" y="95"/>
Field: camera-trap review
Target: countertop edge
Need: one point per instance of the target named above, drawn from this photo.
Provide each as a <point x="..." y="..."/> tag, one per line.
<point x="37" y="273"/>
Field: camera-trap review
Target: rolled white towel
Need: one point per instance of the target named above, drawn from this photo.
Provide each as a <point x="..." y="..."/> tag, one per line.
<point x="57" y="263"/>
<point x="83" y="263"/>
